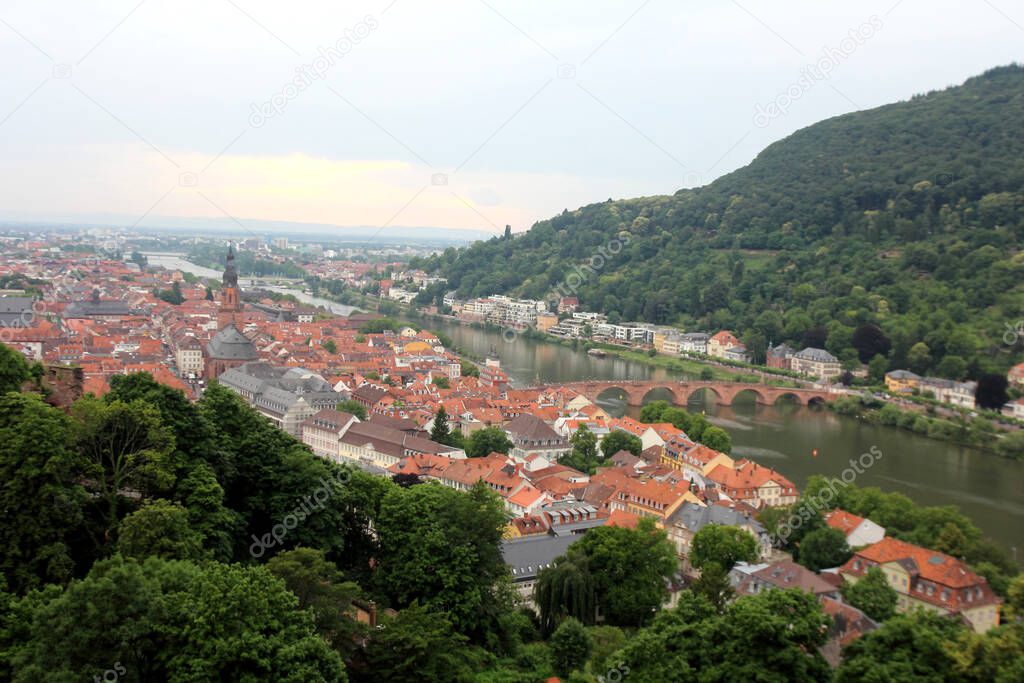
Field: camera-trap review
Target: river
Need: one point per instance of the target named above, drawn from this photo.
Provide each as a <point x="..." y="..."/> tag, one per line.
<point x="987" y="488"/>
<point x="178" y="262"/>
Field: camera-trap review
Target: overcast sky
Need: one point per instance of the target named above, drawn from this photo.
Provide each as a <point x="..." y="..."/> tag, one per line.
<point x="453" y="113"/>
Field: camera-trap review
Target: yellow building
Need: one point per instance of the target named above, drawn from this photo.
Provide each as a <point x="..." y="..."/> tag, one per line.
<point x="928" y="579"/>
<point x="901" y="381"/>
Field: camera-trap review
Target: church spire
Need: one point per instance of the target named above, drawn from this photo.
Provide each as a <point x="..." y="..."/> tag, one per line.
<point x="230" y="274"/>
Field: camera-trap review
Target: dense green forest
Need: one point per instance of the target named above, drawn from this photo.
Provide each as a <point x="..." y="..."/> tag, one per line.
<point x="147" y="538"/>
<point x="908" y="217"/>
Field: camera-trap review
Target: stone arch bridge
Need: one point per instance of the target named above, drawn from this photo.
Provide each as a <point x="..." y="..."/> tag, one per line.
<point x="724" y="392"/>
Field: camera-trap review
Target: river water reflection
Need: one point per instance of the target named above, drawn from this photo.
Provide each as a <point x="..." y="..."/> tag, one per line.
<point x="987" y="488"/>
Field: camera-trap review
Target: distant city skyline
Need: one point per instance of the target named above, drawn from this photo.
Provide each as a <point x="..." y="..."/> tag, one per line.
<point x="469" y="114"/>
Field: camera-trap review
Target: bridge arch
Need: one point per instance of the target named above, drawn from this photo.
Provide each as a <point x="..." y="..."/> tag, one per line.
<point x="611" y="391"/>
<point x="671" y="391"/>
<point x="790" y="396"/>
<point x="759" y="396"/>
<point x="699" y="390"/>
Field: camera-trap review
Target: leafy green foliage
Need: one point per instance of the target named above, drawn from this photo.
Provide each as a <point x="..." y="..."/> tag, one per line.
<point x="932" y="527"/>
<point x="714" y="585"/>
<point x="872" y="595"/>
<point x="441" y="433"/>
<point x="173" y="295"/>
<point x="823" y="548"/>
<point x="439" y="547"/>
<point x="159" y="529"/>
<point x="630" y="568"/>
<point x="583" y="456"/>
<point x="772" y="636"/>
<point x="173" y="620"/>
<point x="913" y="646"/>
<point x="353" y="407"/>
<point x="565" y="589"/>
<point x="908" y="217"/>
<point x="695" y="426"/>
<point x="488" y="440"/>
<point x="321" y="588"/>
<point x="417" y="645"/>
<point x="40" y="493"/>
<point x="570" y="646"/>
<point x="722" y="545"/>
<point x="14" y="370"/>
<point x="618" y="440"/>
<point x="381" y="325"/>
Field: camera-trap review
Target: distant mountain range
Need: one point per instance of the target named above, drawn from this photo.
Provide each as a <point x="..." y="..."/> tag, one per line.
<point x="908" y="218"/>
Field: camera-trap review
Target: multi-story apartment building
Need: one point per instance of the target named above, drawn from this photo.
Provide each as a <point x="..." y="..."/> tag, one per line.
<point x="188" y="356"/>
<point x="930" y="580"/>
<point x="816" y="362"/>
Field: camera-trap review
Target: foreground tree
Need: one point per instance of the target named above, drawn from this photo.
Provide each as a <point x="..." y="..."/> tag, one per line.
<point x="630" y="570"/>
<point x="565" y="589"/>
<point x="14" y="370"/>
<point x="40" y="494"/>
<point x="172" y="620"/>
<point x="570" y="647"/>
<point x="321" y="588"/>
<point x="773" y="636"/>
<point x="159" y="529"/>
<point x="918" y="646"/>
<point x="417" y="645"/>
<point x="714" y="585"/>
<point x="872" y="595"/>
<point x="440" y="547"/>
<point x="128" y="451"/>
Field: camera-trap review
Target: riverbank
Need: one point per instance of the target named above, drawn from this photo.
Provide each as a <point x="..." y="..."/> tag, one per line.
<point x="977" y="432"/>
<point x="697" y="368"/>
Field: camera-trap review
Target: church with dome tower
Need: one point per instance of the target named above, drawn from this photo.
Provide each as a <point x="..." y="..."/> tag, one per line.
<point x="229" y="348"/>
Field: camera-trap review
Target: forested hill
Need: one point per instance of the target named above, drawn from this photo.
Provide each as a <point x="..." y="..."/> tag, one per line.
<point x="909" y="216"/>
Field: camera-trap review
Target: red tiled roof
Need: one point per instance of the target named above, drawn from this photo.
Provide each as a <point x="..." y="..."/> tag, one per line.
<point x="953" y="581"/>
<point x="843" y="520"/>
